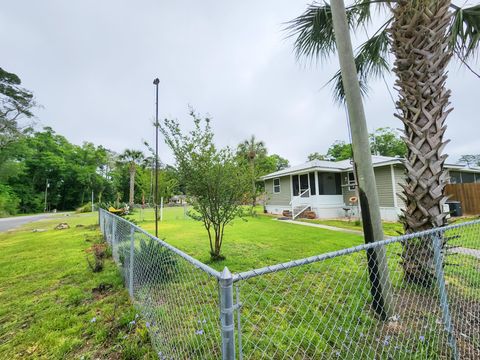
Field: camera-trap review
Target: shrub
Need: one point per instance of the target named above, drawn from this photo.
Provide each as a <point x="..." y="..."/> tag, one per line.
<point x="9" y="202"/>
<point x="84" y="208"/>
<point x="153" y="263"/>
<point x="99" y="252"/>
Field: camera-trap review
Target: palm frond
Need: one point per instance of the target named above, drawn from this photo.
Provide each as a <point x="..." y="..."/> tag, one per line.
<point x="465" y="31"/>
<point x="314" y="32"/>
<point x="313" y="29"/>
<point x="370" y="60"/>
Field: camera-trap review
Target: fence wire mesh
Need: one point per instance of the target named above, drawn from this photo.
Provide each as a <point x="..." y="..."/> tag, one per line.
<point x="335" y="307"/>
<point x="177" y="299"/>
<point x="410" y="297"/>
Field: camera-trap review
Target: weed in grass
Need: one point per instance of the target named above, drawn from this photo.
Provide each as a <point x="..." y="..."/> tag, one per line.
<point x="99" y="252"/>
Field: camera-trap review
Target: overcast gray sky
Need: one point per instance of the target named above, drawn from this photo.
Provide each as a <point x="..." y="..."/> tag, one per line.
<point x="91" y="65"/>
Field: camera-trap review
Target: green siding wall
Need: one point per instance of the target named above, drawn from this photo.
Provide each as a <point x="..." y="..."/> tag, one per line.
<point x="281" y="198"/>
<point x="383" y="179"/>
<point x="400" y="178"/>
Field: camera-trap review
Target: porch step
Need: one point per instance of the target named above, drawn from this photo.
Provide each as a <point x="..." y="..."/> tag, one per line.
<point x="300" y="210"/>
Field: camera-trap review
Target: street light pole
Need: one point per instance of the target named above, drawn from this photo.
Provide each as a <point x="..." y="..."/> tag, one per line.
<point x="156" y="82"/>
<point x="47" y="185"/>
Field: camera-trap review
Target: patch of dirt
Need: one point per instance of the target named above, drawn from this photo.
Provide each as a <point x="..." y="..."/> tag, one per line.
<point x="101" y="290"/>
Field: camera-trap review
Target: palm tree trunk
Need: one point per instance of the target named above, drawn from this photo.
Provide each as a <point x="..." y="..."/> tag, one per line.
<point x="131" y="198"/>
<point x="254" y="188"/>
<point x="420" y="44"/>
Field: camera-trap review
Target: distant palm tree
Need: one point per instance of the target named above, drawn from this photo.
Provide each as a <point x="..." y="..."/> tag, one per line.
<point x="251" y="150"/>
<point x="132" y="158"/>
<point x="423" y="35"/>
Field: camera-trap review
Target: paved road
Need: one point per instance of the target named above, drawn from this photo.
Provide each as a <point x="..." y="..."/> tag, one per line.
<point x="13" y="222"/>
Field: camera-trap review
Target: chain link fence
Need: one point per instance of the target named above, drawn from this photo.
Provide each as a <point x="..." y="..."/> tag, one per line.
<point x="410" y="297"/>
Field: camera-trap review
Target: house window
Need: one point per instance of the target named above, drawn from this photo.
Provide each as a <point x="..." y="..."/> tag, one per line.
<point x="276" y="186"/>
<point x="329" y="184"/>
<point x="351" y="182"/>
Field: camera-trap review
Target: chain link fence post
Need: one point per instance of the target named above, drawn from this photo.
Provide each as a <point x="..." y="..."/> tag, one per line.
<point x="130" y="263"/>
<point x="239" y="323"/>
<point x="447" y="320"/>
<point x="226" y="315"/>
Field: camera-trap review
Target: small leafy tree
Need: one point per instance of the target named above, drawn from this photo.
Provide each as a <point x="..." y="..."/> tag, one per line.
<point x="316" y="156"/>
<point x="470" y="160"/>
<point x="214" y="180"/>
<point x="387" y="142"/>
<point x="339" y="150"/>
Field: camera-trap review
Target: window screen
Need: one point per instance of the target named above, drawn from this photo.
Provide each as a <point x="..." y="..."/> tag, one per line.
<point x="304" y="183"/>
<point x="468" y="177"/>
<point x="313" y="189"/>
<point x="295" y="185"/>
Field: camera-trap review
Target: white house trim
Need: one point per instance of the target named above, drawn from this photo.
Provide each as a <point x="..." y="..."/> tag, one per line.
<point x="394" y="186"/>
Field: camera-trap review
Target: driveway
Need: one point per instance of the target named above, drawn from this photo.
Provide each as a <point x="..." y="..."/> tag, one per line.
<point x="13" y="222"/>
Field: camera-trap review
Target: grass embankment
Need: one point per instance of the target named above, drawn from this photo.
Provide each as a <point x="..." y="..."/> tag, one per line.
<point x="53" y="306"/>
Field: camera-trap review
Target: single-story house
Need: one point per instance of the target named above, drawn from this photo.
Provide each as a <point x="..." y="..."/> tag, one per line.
<point x="328" y="188"/>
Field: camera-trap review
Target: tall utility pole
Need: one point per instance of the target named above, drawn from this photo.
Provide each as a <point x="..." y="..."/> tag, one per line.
<point x="47" y="185"/>
<point x="156" y="82"/>
<point x="367" y="189"/>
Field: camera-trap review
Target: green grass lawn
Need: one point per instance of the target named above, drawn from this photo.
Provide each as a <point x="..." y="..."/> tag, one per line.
<point x="49" y="307"/>
<point x="251" y="243"/>
<point x="389" y="228"/>
<point x="52" y="306"/>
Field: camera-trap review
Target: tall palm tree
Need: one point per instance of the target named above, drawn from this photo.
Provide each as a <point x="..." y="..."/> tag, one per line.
<point x="132" y="158"/>
<point x="423" y="35"/>
<point x="251" y="150"/>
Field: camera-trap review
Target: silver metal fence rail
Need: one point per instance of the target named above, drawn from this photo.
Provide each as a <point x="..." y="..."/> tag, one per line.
<point x="176" y="294"/>
<point x="321" y="307"/>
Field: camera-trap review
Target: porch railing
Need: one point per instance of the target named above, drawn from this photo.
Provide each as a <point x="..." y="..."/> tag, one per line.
<point x="297" y="205"/>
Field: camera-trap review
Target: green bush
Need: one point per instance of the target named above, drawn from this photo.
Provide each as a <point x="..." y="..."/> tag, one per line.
<point x="9" y="202"/>
<point x="84" y="208"/>
<point x="153" y="263"/>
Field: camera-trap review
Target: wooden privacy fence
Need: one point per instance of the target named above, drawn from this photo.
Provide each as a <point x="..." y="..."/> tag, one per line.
<point x="467" y="194"/>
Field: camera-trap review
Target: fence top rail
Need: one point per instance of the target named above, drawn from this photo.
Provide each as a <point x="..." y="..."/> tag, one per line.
<point x="180" y="253"/>
<point x="317" y="258"/>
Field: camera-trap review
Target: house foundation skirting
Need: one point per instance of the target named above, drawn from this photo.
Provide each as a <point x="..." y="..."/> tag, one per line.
<point x="336" y="212"/>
